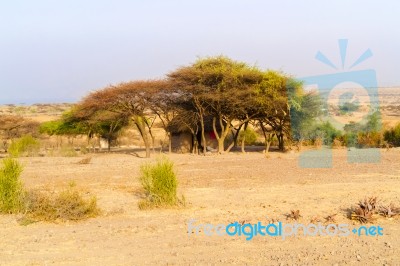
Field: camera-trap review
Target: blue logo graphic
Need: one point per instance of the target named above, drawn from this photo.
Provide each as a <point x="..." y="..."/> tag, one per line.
<point x="347" y="97"/>
<point x="279" y="229"/>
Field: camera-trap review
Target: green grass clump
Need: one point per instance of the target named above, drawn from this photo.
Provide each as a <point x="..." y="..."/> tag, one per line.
<point x="249" y="136"/>
<point x="24" y="146"/>
<point x="160" y="184"/>
<point x="68" y="205"/>
<point x="11" y="189"/>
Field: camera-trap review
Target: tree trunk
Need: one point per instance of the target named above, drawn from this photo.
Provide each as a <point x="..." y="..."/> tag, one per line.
<point x="224" y="132"/>
<point x="203" y="137"/>
<point x="281" y="142"/>
<point x="244" y="136"/>
<point x="141" y="125"/>
<point x="169" y="143"/>
<point x="236" y="135"/>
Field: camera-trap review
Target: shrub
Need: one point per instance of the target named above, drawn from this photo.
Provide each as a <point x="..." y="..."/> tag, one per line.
<point x="11" y="190"/>
<point x="392" y="136"/>
<point x="369" y="139"/>
<point x="67" y="205"/>
<point x="327" y="132"/>
<point x="24" y="146"/>
<point x="249" y="135"/>
<point x="160" y="184"/>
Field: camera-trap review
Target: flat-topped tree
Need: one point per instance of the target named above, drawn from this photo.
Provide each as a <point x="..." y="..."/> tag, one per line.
<point x="222" y="88"/>
<point x="131" y="98"/>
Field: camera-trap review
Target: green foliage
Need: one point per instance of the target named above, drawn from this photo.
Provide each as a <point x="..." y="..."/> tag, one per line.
<point x="392" y="136"/>
<point x="160" y="183"/>
<point x="11" y="190"/>
<point x="364" y="135"/>
<point x="327" y="132"/>
<point x="65" y="126"/>
<point x="304" y="110"/>
<point x="24" y="146"/>
<point x="348" y="107"/>
<point x="249" y="135"/>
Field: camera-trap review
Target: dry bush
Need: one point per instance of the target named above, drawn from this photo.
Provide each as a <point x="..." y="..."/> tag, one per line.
<point x="365" y="210"/>
<point x="369" y="139"/>
<point x="389" y="210"/>
<point x="69" y="205"/>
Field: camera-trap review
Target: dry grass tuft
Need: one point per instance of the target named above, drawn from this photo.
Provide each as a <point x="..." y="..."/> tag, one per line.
<point x="86" y="160"/>
<point x="294" y="215"/>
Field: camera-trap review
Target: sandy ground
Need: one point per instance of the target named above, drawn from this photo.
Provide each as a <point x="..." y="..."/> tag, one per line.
<point x="218" y="189"/>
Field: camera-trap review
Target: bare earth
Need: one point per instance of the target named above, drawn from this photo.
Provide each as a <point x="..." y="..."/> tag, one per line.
<point x="218" y="189"/>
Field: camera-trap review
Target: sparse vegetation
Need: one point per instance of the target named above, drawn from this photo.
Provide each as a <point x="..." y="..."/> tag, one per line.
<point x="11" y="189"/>
<point x="160" y="184"/>
<point x="67" y="205"/>
<point x="24" y="146"/>
<point x="392" y="136"/>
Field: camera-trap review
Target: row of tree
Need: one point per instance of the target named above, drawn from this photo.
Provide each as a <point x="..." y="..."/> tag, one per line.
<point x="228" y="93"/>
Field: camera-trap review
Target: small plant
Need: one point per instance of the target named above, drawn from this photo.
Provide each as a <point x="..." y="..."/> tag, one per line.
<point x="388" y="210"/>
<point x="294" y="215"/>
<point x="24" y="146"/>
<point x="160" y="184"/>
<point x="11" y="190"/>
<point x="365" y="210"/>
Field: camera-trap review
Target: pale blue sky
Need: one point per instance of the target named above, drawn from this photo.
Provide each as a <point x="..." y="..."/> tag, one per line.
<point x="55" y="51"/>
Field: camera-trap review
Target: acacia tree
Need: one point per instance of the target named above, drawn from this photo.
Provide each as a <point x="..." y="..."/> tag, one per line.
<point x="276" y="95"/>
<point x="222" y="88"/>
<point x="133" y="99"/>
<point x="165" y="103"/>
<point x="12" y="127"/>
<point x="105" y="124"/>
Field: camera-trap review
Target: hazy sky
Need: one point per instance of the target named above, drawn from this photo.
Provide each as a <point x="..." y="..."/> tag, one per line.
<point x="56" y="51"/>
